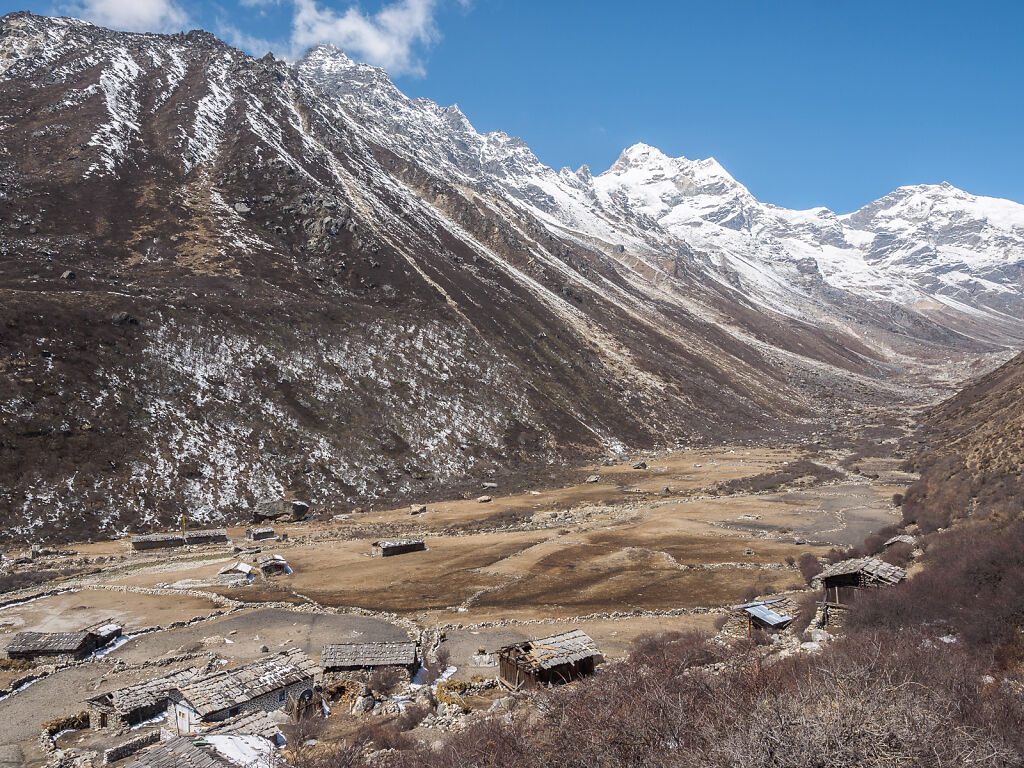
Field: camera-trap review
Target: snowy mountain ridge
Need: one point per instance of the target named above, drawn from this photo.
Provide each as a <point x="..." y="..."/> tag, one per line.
<point x="933" y="247"/>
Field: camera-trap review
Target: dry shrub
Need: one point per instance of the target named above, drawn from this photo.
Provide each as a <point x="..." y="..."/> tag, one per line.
<point x="806" y="607"/>
<point x="874" y="542"/>
<point x="411" y="716"/>
<point x="809" y="566"/>
<point x="433" y="668"/>
<point x="384" y="681"/>
<point x="898" y="554"/>
<point x="384" y="736"/>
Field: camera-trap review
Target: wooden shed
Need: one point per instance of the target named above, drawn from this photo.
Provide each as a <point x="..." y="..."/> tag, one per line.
<point x="841" y="581"/>
<point x="397" y="547"/>
<point x="548" y="660"/>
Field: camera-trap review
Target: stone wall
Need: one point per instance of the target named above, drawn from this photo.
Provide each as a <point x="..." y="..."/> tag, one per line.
<point x="129" y="747"/>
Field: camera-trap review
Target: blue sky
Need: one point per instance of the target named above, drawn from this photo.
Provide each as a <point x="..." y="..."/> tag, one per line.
<point x="807" y="103"/>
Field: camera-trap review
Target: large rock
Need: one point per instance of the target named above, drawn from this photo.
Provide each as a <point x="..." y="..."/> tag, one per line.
<point x="278" y="509"/>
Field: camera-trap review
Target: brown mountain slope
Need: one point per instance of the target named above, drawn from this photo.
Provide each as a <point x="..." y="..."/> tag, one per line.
<point x="974" y="464"/>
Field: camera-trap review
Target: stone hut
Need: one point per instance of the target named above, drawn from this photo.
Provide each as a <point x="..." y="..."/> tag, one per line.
<point x="346" y="659"/>
<point x="397" y="547"/>
<point x="548" y="660"/>
<point x="272" y="565"/>
<point x="260" y="534"/>
<point x="266" y="685"/>
<point x="210" y="536"/>
<point x="157" y="541"/>
<point x="126" y="707"/>
<point x="56" y="646"/>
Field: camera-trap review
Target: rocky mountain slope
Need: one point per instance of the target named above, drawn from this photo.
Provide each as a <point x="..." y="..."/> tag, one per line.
<point x="224" y="278"/>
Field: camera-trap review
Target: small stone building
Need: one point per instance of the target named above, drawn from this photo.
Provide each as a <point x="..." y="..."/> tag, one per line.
<point x="260" y="534"/>
<point x="60" y="646"/>
<point x="157" y="541"/>
<point x="347" y="659"/>
<point x="272" y="565"/>
<point x="841" y="581"/>
<point x="397" y="547"/>
<point x="548" y="660"/>
<point x="124" y="708"/>
<point x="264" y="685"/>
<point x="210" y="536"/>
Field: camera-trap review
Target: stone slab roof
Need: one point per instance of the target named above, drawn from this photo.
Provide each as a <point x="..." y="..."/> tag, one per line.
<point x="178" y="752"/>
<point x="258" y="723"/>
<point x="381" y="654"/>
<point x="227" y="689"/>
<point x="47" y="642"/>
<point x="397" y="543"/>
<point x="553" y="651"/>
<point x="871" y="568"/>
<point x="148" y="693"/>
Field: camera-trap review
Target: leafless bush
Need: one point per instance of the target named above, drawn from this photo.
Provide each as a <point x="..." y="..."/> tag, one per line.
<point x="433" y="668"/>
<point x="384" y="736"/>
<point x="384" y="681"/>
<point x="809" y="566"/>
<point x="411" y="716"/>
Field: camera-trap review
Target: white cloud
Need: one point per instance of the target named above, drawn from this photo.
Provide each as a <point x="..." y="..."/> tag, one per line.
<point x="390" y="38"/>
<point x="133" y="15"/>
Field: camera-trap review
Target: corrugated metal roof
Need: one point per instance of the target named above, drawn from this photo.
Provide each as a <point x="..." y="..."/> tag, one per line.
<point x="382" y="654"/>
<point x="767" y="615"/>
<point x="224" y="690"/>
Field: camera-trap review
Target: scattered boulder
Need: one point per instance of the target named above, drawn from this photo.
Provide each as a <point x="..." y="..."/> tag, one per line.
<point x="640" y="465"/>
<point x="67" y="274"/>
<point x="820" y="636"/>
<point x="593" y="478"/>
<point x="483" y="499"/>
<point x="489" y="485"/>
<point x="279" y="509"/>
<point x="417" y="509"/>
<point x="242" y="208"/>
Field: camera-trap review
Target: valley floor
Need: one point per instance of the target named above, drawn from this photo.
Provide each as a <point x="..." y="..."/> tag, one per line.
<point x="632" y="551"/>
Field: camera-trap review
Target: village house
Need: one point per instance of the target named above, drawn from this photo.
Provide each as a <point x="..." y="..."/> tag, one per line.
<point x="345" y="659"/>
<point x="841" y="581"/>
<point x="272" y="565"/>
<point x="767" y="615"/>
<point x="210" y="536"/>
<point x="397" y="547"/>
<point x="157" y="541"/>
<point x="266" y="684"/>
<point x="60" y="646"/>
<point x="124" y="708"/>
<point x="548" y="660"/>
<point x="260" y="534"/>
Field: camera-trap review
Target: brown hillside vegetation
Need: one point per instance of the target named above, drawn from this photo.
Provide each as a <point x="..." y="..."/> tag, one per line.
<point x="975" y="456"/>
